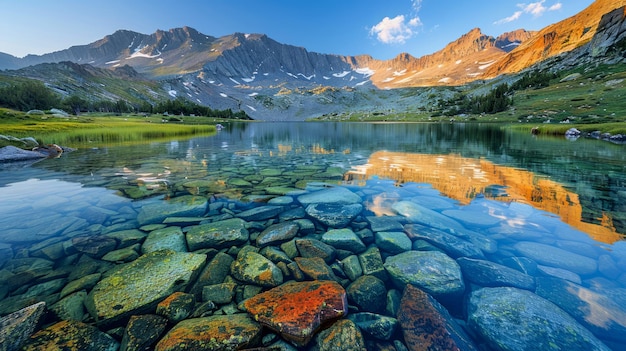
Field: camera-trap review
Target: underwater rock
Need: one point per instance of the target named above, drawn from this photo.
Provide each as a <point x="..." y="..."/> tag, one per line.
<point x="218" y="235"/>
<point x="490" y="274"/>
<point x="296" y="310"/>
<point x="71" y="335"/>
<point x="368" y="293"/>
<point x="170" y="238"/>
<point x="375" y="325"/>
<point x="181" y="206"/>
<point x="335" y="195"/>
<point x="139" y="286"/>
<point x="142" y="331"/>
<point x="342" y="335"/>
<point x="260" y="213"/>
<point x="315" y="268"/>
<point x="432" y="271"/>
<point x="315" y="248"/>
<point x="393" y="242"/>
<point x="254" y="268"/>
<point x="214" y="333"/>
<point x="427" y="325"/>
<point x="598" y="312"/>
<point x="556" y="257"/>
<point x="416" y="213"/>
<point x="277" y="234"/>
<point x="17" y="327"/>
<point x="334" y="215"/>
<point x="372" y="263"/>
<point x="176" y="307"/>
<point x="343" y="239"/>
<point x="515" y="319"/>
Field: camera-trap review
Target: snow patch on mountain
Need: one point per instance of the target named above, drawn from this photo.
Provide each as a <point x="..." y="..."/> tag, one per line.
<point x="366" y="71"/>
<point x="307" y="77"/>
<point x="399" y="73"/>
<point x="484" y="65"/>
<point x="341" y="75"/>
<point x="138" y="53"/>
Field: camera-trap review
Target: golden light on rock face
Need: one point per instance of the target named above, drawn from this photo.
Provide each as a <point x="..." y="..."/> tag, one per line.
<point x="463" y="178"/>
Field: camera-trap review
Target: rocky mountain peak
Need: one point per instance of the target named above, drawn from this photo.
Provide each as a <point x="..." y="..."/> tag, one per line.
<point x="510" y="40"/>
<point x="471" y="42"/>
<point x="555" y="39"/>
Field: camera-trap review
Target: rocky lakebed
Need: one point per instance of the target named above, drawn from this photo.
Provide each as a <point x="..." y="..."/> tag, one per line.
<point x="315" y="265"/>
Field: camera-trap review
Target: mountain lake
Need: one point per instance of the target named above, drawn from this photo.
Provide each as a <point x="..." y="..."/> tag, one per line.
<point x="517" y="240"/>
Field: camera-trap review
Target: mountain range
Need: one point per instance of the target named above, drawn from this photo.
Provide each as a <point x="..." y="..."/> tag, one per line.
<point x="271" y="80"/>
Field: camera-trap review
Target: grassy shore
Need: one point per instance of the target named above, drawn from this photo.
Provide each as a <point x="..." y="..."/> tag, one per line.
<point x="96" y="130"/>
<point x="589" y="99"/>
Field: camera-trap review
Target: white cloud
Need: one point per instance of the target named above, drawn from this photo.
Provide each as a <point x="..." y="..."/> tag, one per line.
<point x="555" y="7"/>
<point x="536" y="9"/>
<point x="395" y="30"/>
<point x="415" y="22"/>
<point x="417" y="5"/>
<point x="399" y="29"/>
<point x="511" y="18"/>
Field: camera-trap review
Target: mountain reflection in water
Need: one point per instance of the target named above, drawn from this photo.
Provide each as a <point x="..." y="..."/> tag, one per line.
<point x="463" y="179"/>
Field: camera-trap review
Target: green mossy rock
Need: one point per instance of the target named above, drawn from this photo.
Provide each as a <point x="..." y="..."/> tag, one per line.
<point x="140" y="285"/>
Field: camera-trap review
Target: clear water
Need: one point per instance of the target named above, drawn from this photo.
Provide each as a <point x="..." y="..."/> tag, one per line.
<point x="563" y="193"/>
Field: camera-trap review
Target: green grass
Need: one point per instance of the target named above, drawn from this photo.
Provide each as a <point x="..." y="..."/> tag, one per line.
<point x="98" y="130"/>
<point x="560" y="129"/>
<point x="594" y="101"/>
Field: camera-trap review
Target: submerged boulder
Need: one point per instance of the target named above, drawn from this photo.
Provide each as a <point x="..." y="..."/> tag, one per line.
<point x="18" y="326"/>
<point x="218" y="235"/>
<point x="343" y="335"/>
<point x="71" y="335"/>
<point x="181" y="206"/>
<point x="254" y="268"/>
<point x="427" y="325"/>
<point x="515" y="319"/>
<point x="601" y="313"/>
<point x="556" y="257"/>
<point x="334" y="215"/>
<point x="139" y="286"/>
<point x="417" y="213"/>
<point x="223" y="332"/>
<point x="337" y="195"/>
<point x="297" y="310"/>
<point x="432" y="271"/>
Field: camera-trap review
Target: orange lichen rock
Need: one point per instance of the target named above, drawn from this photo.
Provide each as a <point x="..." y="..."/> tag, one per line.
<point x="297" y="309"/>
<point x="427" y="325"/>
<point x="219" y="332"/>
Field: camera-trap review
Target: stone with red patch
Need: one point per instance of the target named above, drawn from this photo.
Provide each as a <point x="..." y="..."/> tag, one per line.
<point x="427" y="325"/>
<point x="298" y="309"/>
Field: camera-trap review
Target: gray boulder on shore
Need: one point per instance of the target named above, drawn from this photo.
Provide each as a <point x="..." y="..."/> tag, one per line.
<point x="11" y="153"/>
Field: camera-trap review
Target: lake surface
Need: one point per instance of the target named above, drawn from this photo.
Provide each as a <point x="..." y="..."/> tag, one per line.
<point x="551" y="209"/>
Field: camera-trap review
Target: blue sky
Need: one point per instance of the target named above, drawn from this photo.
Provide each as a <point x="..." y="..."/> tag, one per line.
<point x="381" y="28"/>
